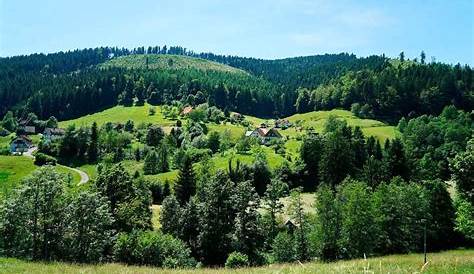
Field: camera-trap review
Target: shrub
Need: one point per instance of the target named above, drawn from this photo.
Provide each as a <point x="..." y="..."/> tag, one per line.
<point x="237" y="259"/>
<point x="44" y="159"/>
<point x="283" y="248"/>
<point x="152" y="248"/>
<point x="4" y="151"/>
<point x="4" y="132"/>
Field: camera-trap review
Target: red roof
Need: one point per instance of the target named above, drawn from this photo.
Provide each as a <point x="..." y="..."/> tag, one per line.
<point x="186" y="110"/>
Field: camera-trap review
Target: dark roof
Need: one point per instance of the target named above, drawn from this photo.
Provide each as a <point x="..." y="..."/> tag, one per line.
<point x="22" y="138"/>
<point x="53" y="131"/>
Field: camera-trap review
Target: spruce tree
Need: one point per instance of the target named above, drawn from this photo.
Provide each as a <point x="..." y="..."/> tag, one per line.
<point x="185" y="185"/>
<point x="298" y="216"/>
<point x="92" y="150"/>
<point x="151" y="163"/>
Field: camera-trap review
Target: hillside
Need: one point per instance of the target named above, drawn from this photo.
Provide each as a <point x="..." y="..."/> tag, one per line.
<point x="167" y="62"/>
<point x="13" y="169"/>
<point x="120" y="114"/>
<point x="456" y="261"/>
<point x="315" y="120"/>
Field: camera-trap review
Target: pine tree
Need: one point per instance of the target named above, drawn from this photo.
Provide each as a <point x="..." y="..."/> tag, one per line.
<point x="151" y="165"/>
<point x="273" y="205"/>
<point x="299" y="217"/>
<point x="327" y="224"/>
<point x="163" y="163"/>
<point x="247" y="235"/>
<point x="92" y="150"/>
<point x="185" y="185"/>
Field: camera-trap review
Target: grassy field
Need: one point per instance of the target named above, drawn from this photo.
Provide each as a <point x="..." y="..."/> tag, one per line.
<point x="169" y="62"/>
<point x="449" y="262"/>
<point x="120" y="114"/>
<point x="14" y="168"/>
<point x="316" y="119"/>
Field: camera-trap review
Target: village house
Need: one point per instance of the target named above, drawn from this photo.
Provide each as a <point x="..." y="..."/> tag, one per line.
<point x="27" y="130"/>
<point x="282" y="123"/>
<point x="265" y="135"/>
<point x="237" y="117"/>
<point x="20" y="144"/>
<point x="186" y="111"/>
<point x="51" y="134"/>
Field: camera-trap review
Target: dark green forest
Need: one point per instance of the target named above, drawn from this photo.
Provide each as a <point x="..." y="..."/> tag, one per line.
<point x="63" y="84"/>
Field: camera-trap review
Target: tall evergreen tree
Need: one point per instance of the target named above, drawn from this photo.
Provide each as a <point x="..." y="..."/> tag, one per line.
<point x="300" y="219"/>
<point x="151" y="165"/>
<point x="93" y="148"/>
<point x="185" y="185"/>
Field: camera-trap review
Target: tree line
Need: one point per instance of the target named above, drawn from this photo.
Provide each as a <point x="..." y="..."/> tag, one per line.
<point x="63" y="84"/>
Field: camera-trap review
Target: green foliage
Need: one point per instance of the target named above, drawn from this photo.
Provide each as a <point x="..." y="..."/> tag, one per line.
<point x="216" y="220"/>
<point x="44" y="159"/>
<point x="462" y="168"/>
<point x="271" y="202"/>
<point x="465" y="218"/>
<point x="283" y="248"/>
<point x="358" y="229"/>
<point x="129" y="201"/>
<point x="29" y="219"/>
<point x="440" y="226"/>
<point x="154" y="136"/>
<point x="185" y="185"/>
<point x="9" y="122"/>
<point x="87" y="224"/>
<point x="327" y="224"/>
<point x="151" y="165"/>
<point x="170" y="216"/>
<point x="152" y="248"/>
<point x="247" y="236"/>
<point x="236" y="260"/>
<point x="300" y="220"/>
<point x="431" y="141"/>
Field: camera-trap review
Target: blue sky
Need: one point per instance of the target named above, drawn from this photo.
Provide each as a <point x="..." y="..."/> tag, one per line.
<point x="265" y="28"/>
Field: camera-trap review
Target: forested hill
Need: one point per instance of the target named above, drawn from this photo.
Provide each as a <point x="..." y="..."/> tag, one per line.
<point x="71" y="84"/>
<point x="307" y="71"/>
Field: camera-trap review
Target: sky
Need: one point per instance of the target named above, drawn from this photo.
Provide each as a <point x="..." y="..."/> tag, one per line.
<point x="257" y="28"/>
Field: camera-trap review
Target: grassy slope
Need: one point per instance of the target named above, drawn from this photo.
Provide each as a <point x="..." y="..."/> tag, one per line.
<point x="317" y="119"/>
<point x="455" y="261"/>
<point x="14" y="168"/>
<point x="120" y="114"/>
<point x="170" y="62"/>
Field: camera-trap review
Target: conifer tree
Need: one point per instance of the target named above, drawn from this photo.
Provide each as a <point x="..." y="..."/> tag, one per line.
<point x="185" y="185"/>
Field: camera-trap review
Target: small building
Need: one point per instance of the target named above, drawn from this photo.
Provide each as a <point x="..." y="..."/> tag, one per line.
<point x="237" y="116"/>
<point x="282" y="123"/>
<point x="52" y="134"/>
<point x="20" y="144"/>
<point x="27" y="130"/>
<point x="186" y="110"/>
<point x="265" y="135"/>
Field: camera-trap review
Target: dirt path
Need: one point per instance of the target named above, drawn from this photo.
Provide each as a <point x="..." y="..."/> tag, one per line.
<point x="84" y="177"/>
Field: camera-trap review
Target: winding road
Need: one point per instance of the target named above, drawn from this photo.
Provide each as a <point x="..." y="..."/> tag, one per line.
<point x="84" y="176"/>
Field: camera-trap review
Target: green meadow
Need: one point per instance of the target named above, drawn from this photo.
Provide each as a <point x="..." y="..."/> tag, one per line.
<point x="448" y="262"/>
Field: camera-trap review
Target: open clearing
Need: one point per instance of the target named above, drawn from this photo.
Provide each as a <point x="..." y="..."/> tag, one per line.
<point x="14" y="168"/>
<point x="167" y="62"/>
<point x="455" y="261"/>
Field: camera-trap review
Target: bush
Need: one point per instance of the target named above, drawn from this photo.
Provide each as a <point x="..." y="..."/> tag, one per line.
<point x="44" y="159"/>
<point x="4" y="151"/>
<point x="4" y="132"/>
<point x="152" y="248"/>
<point x="236" y="260"/>
<point x="283" y="248"/>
